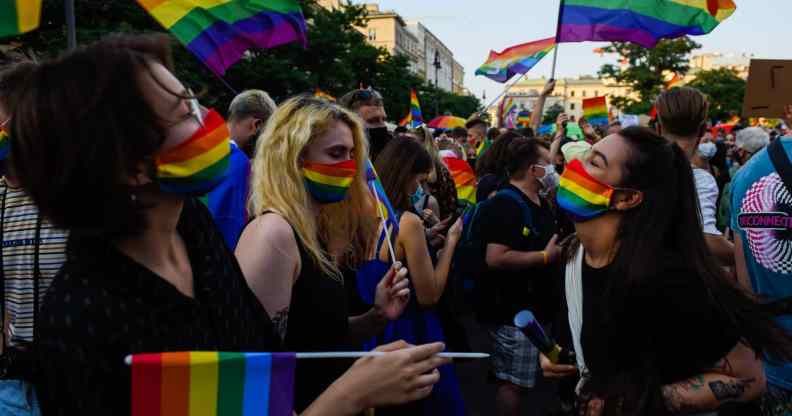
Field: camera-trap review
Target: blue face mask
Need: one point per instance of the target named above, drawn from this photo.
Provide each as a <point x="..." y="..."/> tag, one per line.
<point x="417" y="196"/>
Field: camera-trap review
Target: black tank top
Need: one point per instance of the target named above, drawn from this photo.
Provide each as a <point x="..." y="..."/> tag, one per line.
<point x="318" y="321"/>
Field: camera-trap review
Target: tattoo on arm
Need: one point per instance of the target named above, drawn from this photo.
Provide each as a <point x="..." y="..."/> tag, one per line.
<point x="730" y="390"/>
<point x="280" y="322"/>
<point x="676" y="396"/>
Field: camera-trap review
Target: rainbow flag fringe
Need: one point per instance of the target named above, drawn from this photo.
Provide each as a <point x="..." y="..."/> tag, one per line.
<point x="639" y="21"/>
<point x="464" y="180"/>
<point x="213" y="384"/>
<point x="219" y="32"/>
<point x="519" y="59"/>
<point x="19" y="16"/>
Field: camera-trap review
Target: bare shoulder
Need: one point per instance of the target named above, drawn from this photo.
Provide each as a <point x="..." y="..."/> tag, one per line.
<point x="269" y="229"/>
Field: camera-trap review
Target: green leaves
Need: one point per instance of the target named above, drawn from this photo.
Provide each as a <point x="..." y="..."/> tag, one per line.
<point x="645" y="70"/>
<point x="725" y="91"/>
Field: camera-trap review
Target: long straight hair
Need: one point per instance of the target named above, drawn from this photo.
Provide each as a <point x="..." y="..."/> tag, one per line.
<point x="400" y="161"/>
<point x="277" y="182"/>
<point x="668" y="220"/>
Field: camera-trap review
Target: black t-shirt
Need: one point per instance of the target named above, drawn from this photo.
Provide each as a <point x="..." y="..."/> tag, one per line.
<point x="503" y="222"/>
<point x="671" y="323"/>
<point x="103" y="305"/>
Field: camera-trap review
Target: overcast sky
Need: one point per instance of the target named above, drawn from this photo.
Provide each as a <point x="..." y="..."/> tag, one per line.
<point x="470" y="28"/>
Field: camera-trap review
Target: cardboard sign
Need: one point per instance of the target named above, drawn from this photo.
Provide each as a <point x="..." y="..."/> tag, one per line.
<point x="769" y="88"/>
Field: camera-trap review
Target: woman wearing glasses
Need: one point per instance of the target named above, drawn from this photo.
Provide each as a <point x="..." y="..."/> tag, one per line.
<point x="109" y="148"/>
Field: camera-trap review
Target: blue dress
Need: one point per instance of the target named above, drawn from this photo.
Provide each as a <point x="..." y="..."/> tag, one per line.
<point x="417" y="325"/>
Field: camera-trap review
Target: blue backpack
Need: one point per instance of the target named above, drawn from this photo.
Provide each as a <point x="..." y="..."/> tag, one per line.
<point x="470" y="263"/>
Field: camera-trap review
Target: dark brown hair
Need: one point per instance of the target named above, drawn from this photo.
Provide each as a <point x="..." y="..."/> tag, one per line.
<point x="12" y="78"/>
<point x="82" y="127"/>
<point x="397" y="165"/>
<point x="494" y="160"/>
<point x="521" y="154"/>
<point x="682" y="111"/>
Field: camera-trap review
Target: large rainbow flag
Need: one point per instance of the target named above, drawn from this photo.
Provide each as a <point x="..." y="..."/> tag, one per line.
<point x="19" y="16"/>
<point x="219" y="32"/>
<point x="213" y="384"/>
<point x="643" y="22"/>
<point x="515" y="60"/>
<point x="596" y="110"/>
<point x="464" y="179"/>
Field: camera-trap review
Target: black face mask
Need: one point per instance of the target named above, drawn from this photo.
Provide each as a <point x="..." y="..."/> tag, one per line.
<point x="378" y="138"/>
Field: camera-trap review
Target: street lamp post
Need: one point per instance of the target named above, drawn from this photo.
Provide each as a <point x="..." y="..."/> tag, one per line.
<point x="437" y="67"/>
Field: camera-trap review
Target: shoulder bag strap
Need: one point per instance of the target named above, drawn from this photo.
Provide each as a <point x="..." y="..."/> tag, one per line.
<point x="781" y="163"/>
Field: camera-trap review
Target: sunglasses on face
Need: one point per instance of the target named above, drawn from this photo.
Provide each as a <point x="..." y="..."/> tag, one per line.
<point x="366" y="96"/>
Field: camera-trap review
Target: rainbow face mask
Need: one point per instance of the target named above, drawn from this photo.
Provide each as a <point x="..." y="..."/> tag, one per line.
<point x="582" y="196"/>
<point x="198" y="165"/>
<point x="329" y="184"/>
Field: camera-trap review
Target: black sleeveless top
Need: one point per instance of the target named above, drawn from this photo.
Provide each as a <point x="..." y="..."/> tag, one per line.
<point x="318" y="321"/>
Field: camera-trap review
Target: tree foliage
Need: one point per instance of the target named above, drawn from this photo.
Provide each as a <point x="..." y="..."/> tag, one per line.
<point x="645" y="71"/>
<point x="725" y="91"/>
<point x="338" y="58"/>
<point x="551" y="114"/>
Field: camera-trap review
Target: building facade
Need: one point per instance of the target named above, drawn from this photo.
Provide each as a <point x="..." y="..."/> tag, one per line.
<point x="570" y="92"/>
<point x="388" y="30"/>
<point x="438" y="63"/>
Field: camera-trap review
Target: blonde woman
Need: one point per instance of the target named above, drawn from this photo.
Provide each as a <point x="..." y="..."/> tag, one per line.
<point x="314" y="216"/>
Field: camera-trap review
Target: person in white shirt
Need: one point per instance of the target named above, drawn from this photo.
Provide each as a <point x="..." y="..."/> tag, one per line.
<point x="682" y="115"/>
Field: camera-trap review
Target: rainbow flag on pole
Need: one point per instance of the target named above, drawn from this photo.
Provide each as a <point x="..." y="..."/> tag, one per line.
<point x="464" y="179"/>
<point x="518" y="59"/>
<point x="19" y="16"/>
<point x="639" y="21"/>
<point x="213" y="384"/>
<point x="384" y="207"/>
<point x="507" y="109"/>
<point x="596" y="110"/>
<point x="219" y="32"/>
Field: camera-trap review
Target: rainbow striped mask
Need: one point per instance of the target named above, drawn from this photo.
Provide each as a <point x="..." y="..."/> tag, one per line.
<point x="198" y="165"/>
<point x="582" y="196"/>
<point x="329" y="184"/>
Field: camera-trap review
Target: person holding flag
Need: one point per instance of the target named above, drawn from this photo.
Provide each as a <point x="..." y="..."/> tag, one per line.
<point x="147" y="270"/>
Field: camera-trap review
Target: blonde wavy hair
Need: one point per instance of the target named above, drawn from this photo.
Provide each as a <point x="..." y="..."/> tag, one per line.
<point x="277" y="183"/>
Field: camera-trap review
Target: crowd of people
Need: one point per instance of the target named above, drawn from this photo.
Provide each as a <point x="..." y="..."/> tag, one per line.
<point x="136" y="220"/>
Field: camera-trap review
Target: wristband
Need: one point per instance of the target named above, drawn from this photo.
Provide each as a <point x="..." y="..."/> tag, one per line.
<point x="545" y="257"/>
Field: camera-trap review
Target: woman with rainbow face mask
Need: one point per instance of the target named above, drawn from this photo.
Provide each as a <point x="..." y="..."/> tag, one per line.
<point x="656" y="326"/>
<point x="112" y="147"/>
<point x="313" y="217"/>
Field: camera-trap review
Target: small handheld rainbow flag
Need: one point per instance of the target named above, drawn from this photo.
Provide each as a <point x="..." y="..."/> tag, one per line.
<point x="213" y="384"/>
<point x="384" y="208"/>
<point x="5" y="145"/>
<point x="483" y="147"/>
<point x="321" y="94"/>
<point x="464" y="179"/>
<point x="518" y="59"/>
<point x="596" y="110"/>
<point x="219" y="32"/>
<point x="524" y="119"/>
<point x="507" y="109"/>
<point x="19" y="16"/>
<point x="415" y="117"/>
<point x="639" y="21"/>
